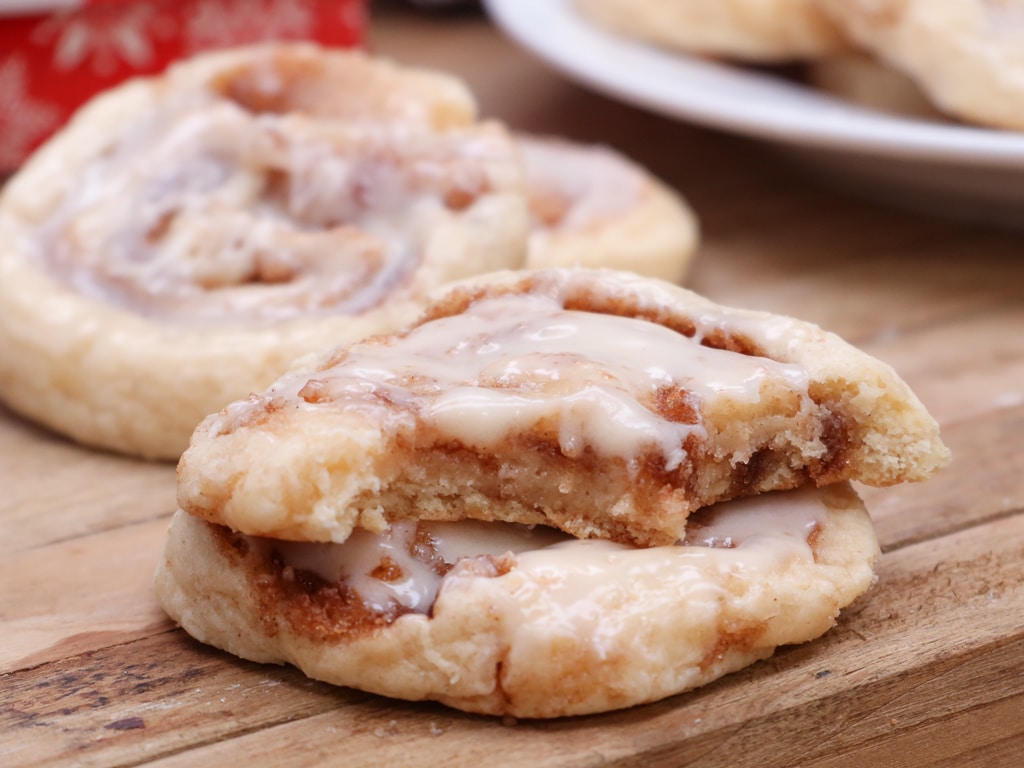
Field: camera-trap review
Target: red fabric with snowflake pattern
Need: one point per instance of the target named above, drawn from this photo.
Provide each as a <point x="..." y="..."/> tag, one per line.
<point x="55" y="60"/>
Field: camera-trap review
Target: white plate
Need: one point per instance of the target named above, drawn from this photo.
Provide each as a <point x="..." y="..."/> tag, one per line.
<point x="960" y="170"/>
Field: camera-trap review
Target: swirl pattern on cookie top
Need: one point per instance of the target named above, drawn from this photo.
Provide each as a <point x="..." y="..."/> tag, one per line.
<point x="615" y="387"/>
<point x="282" y="186"/>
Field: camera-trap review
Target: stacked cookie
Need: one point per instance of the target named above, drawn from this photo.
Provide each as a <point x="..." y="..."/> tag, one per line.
<point x="963" y="56"/>
<point x="187" y="237"/>
<point x="558" y="492"/>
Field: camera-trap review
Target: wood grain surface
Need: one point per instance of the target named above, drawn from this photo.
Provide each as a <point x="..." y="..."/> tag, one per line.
<point x="926" y="670"/>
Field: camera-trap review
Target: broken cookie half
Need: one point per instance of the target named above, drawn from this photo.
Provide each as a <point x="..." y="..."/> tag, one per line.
<point x="534" y="501"/>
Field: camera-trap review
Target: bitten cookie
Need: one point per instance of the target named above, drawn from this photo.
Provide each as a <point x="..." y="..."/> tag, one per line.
<point x="596" y="402"/>
<point x="187" y="236"/>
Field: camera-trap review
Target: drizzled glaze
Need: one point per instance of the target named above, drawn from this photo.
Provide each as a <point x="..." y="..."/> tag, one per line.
<point x="207" y="208"/>
<point x="759" y="534"/>
<point x="512" y="364"/>
<point x="415" y="557"/>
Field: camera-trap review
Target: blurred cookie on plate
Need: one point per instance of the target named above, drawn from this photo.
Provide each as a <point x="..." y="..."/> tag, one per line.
<point x="869" y="83"/>
<point x="767" y="31"/>
<point x="966" y="55"/>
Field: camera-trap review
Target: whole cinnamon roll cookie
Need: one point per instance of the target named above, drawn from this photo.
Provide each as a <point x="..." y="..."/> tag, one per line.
<point x="505" y="619"/>
<point x="592" y="207"/>
<point x="746" y="30"/>
<point x="599" y="403"/>
<point x="966" y="55"/>
<point x="187" y="236"/>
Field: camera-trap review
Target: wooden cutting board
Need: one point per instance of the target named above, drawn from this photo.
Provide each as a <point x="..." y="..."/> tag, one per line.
<point x="925" y="670"/>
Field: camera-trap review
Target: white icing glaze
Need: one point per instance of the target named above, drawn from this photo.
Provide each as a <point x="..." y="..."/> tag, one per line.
<point x="353" y="560"/>
<point x="762" y="534"/>
<point x="472" y="538"/>
<point x="513" y="364"/>
<point x="202" y="210"/>
<point x="589" y="589"/>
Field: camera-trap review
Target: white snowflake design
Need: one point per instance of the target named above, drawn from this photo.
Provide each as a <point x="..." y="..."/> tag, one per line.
<point x="220" y="23"/>
<point x="104" y="35"/>
<point x="23" y="119"/>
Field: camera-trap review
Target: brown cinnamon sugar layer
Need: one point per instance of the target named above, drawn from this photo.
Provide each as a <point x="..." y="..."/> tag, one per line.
<point x="601" y="403"/>
<point x="308" y="588"/>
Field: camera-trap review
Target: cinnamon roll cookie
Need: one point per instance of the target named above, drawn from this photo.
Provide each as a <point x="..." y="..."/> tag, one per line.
<point x="186" y="237"/>
<point x="505" y="619"/>
<point x="599" y="403"/>
<point x="966" y="55"/>
<point x="745" y="30"/>
<point x="592" y="207"/>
